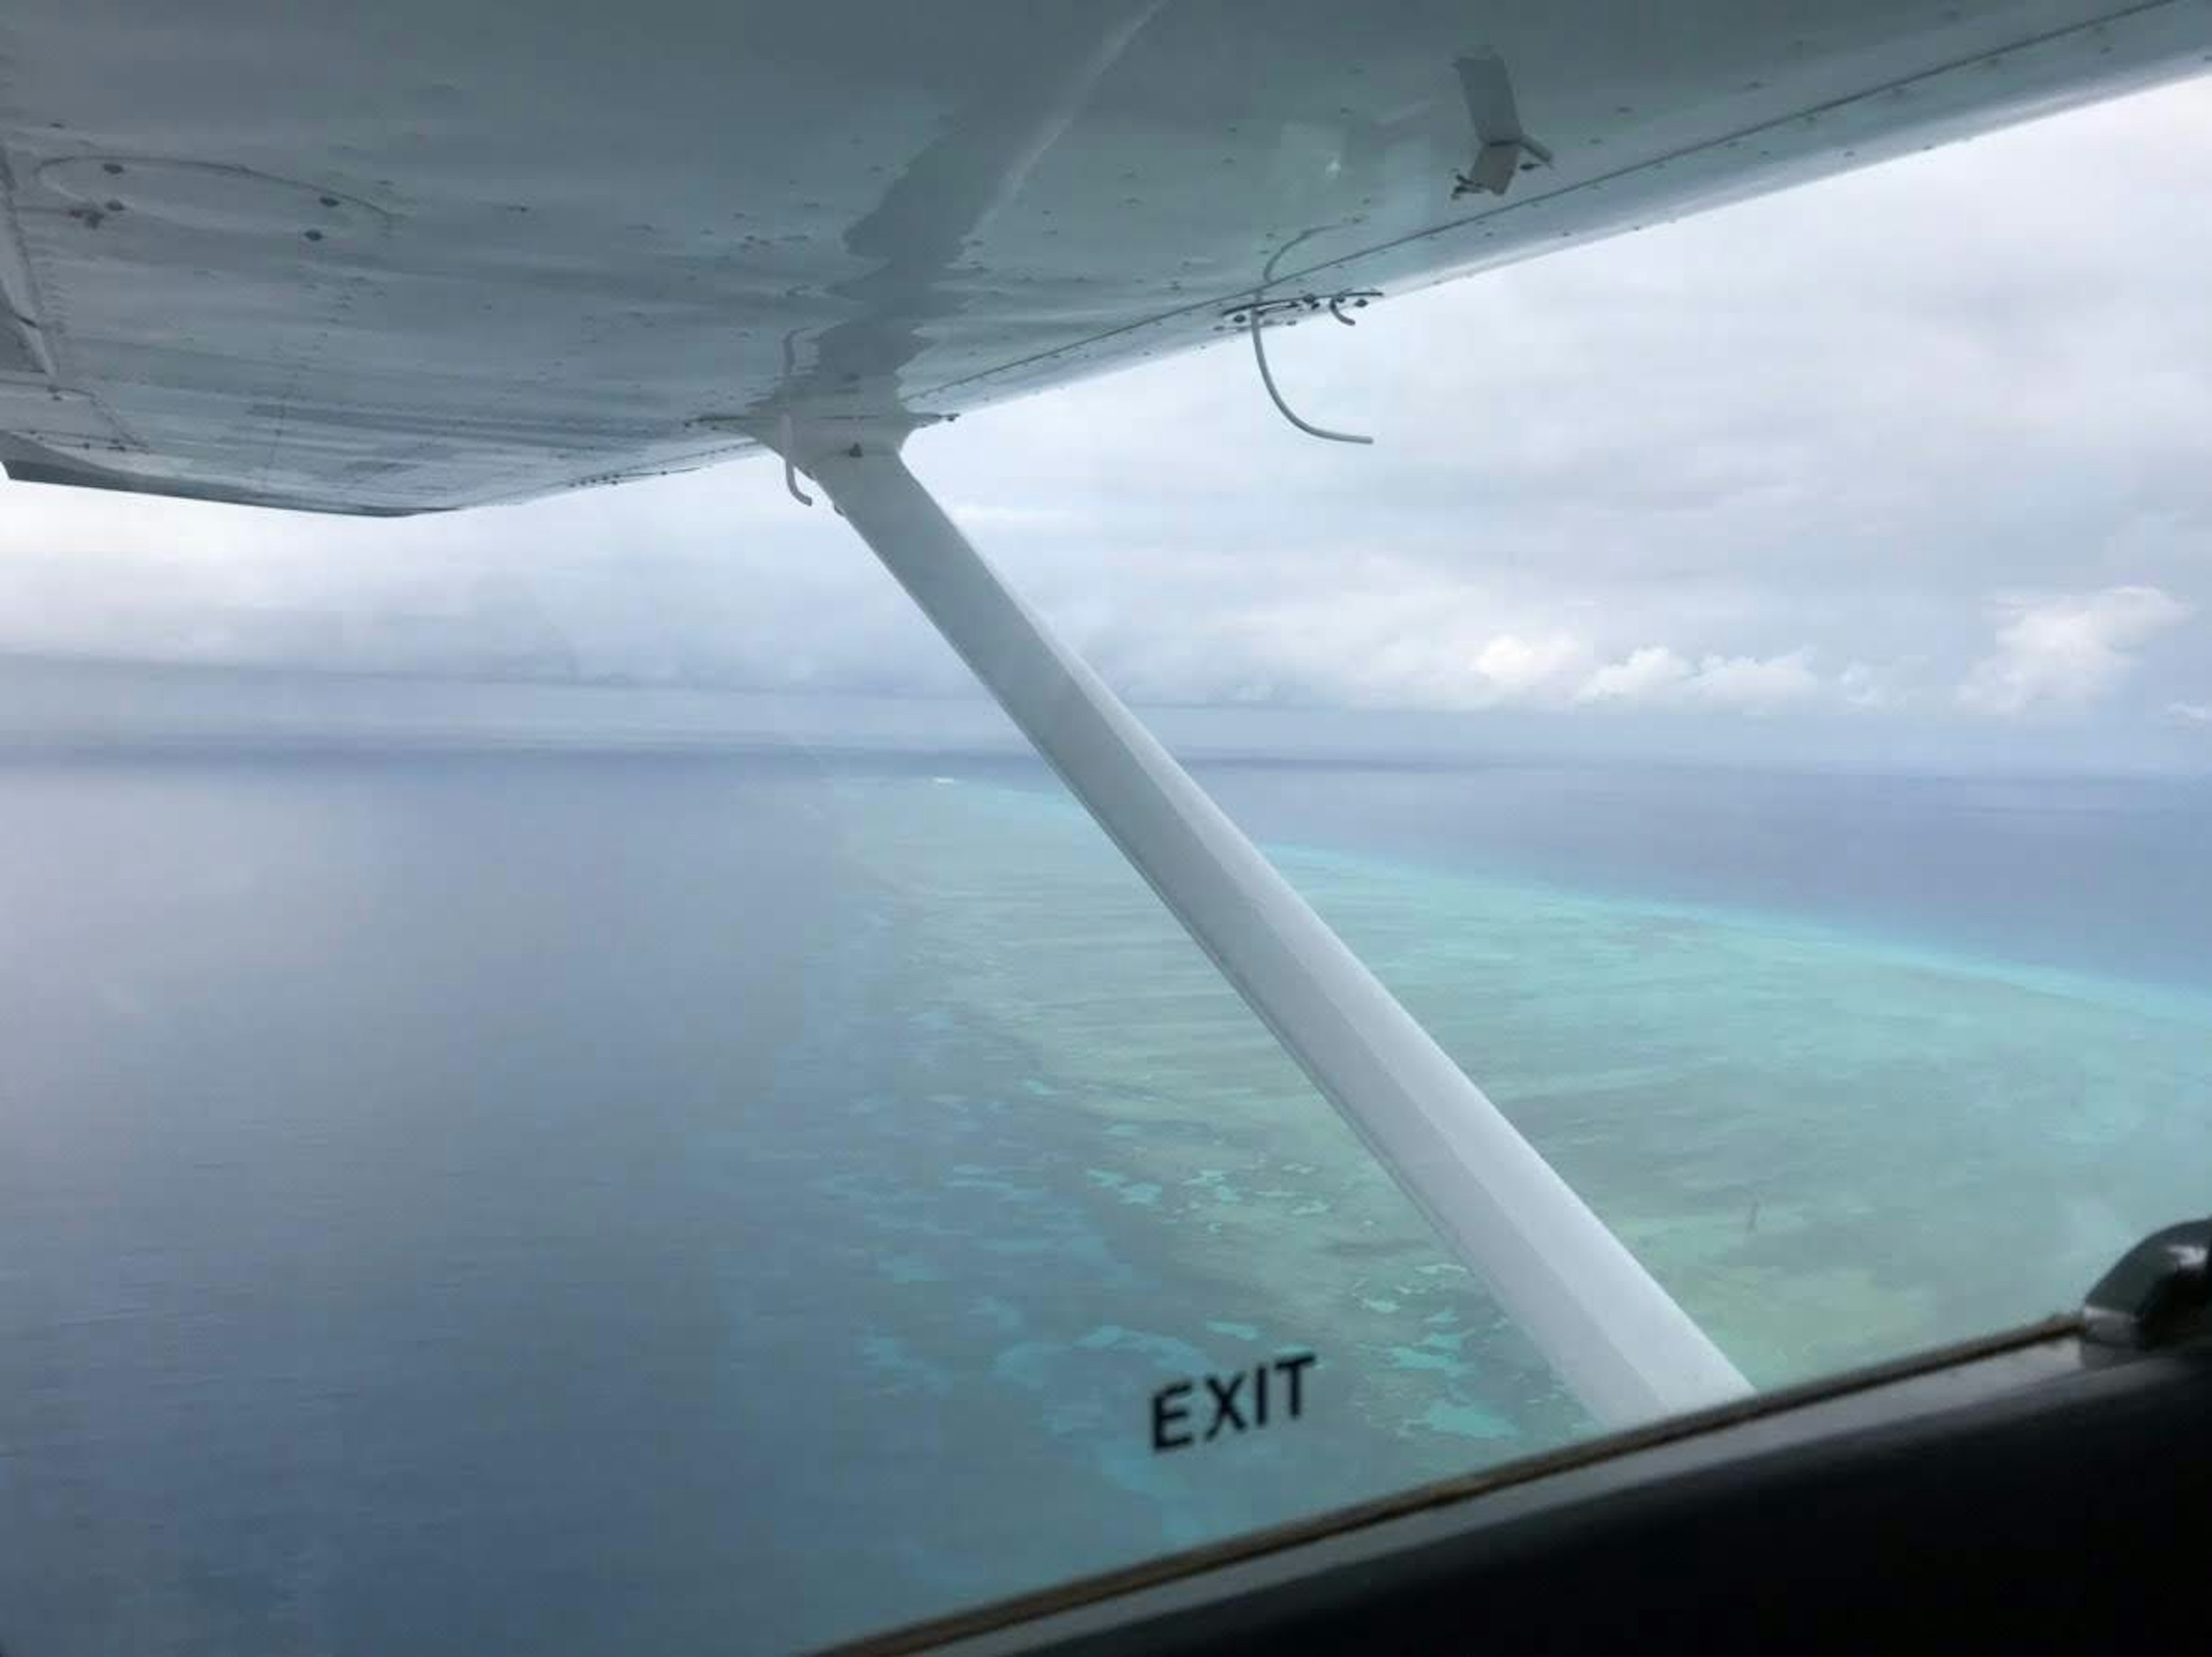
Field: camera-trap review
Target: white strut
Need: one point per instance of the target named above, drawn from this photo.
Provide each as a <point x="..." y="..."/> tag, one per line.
<point x="1613" y="1335"/>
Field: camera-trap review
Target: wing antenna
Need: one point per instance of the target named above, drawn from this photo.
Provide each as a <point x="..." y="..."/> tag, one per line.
<point x="1252" y="316"/>
<point x="790" y="469"/>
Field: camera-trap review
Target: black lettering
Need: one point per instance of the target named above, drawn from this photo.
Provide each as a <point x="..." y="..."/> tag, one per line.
<point x="1166" y="1414"/>
<point x="1224" y="1404"/>
<point x="1234" y="1408"/>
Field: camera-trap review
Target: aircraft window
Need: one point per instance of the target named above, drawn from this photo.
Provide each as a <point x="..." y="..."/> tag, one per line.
<point x="509" y="1142"/>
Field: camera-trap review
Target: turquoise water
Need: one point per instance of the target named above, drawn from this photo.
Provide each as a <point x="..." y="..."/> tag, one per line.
<point x="1831" y="1146"/>
<point x="578" y="1203"/>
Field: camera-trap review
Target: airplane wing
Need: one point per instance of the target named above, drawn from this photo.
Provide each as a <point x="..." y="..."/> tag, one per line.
<point x="428" y="253"/>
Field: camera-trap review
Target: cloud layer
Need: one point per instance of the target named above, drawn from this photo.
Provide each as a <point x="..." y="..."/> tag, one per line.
<point x="2068" y="651"/>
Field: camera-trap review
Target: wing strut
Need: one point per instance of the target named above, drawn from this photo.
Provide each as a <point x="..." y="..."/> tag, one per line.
<point x="1629" y="1352"/>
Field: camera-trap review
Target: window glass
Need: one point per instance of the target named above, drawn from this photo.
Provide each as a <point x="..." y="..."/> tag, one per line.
<point x="567" y="1085"/>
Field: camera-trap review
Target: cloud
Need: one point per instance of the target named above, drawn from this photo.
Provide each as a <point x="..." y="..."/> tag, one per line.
<point x="1515" y="668"/>
<point x="1863" y="686"/>
<point x="1655" y="676"/>
<point x="1020" y="517"/>
<point x="1644" y="675"/>
<point x="2068" y="651"/>
<point x="2189" y="712"/>
<point x="1754" y="683"/>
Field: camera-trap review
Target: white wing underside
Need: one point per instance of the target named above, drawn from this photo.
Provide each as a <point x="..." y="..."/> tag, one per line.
<point x="424" y="254"/>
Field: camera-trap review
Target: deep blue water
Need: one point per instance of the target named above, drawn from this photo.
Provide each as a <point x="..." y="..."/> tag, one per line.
<point x="591" y="1203"/>
<point x="2103" y="874"/>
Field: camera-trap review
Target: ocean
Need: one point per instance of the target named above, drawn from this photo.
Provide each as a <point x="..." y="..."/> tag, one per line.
<point x="577" y="1202"/>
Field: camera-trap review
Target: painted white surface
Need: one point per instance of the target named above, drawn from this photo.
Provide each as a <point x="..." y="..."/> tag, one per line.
<point x="425" y="253"/>
<point x="1614" y="1336"/>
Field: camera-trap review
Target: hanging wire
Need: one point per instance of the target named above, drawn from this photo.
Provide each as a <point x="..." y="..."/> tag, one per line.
<point x="1261" y="303"/>
<point x="790" y="470"/>
<point x="1267" y="379"/>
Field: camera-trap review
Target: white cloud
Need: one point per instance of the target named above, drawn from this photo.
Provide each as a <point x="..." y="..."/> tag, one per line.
<point x="1643" y="675"/>
<point x="977" y="516"/>
<point x="1873" y="689"/>
<point x="2189" y="712"/>
<point x="1657" y="675"/>
<point x="1754" y="683"/>
<point x="2067" y="651"/>
<point x="1511" y="667"/>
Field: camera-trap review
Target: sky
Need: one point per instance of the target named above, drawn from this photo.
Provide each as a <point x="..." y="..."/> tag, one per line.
<point x="1917" y="461"/>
